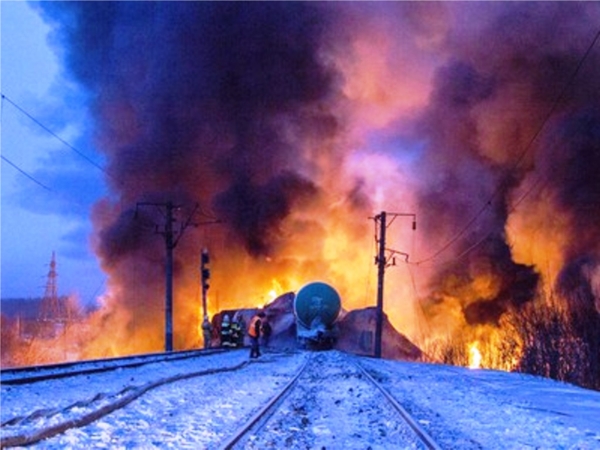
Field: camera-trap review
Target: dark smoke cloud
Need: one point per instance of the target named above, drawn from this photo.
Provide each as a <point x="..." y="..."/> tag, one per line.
<point x="517" y="286"/>
<point x="230" y="104"/>
<point x="206" y="100"/>
<point x="253" y="210"/>
<point x="487" y="103"/>
<point x="574" y="283"/>
<point x="571" y="163"/>
<point x="466" y="182"/>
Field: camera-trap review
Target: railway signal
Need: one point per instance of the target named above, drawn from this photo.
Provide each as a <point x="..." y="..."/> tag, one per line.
<point x="205" y="270"/>
<point x="204" y="277"/>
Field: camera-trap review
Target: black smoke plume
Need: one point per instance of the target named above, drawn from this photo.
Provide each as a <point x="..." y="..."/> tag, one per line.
<point x="202" y="99"/>
<point x="235" y="106"/>
<point x="509" y="106"/>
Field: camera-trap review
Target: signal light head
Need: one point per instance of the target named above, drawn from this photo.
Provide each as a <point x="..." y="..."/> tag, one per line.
<point x="204" y="258"/>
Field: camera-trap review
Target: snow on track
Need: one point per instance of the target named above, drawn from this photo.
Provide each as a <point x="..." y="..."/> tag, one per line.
<point x="484" y="409"/>
<point x="459" y="408"/>
<point x="184" y="414"/>
<point x="333" y="406"/>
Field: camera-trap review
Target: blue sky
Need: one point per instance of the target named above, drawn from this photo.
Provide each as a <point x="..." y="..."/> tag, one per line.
<point x="52" y="213"/>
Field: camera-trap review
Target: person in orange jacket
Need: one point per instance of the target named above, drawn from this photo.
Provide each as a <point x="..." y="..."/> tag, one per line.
<point x="254" y="331"/>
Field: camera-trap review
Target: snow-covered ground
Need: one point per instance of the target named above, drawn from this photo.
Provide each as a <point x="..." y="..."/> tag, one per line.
<point x="460" y="408"/>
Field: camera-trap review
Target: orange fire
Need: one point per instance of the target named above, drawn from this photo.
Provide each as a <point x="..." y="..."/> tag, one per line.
<point x="415" y="129"/>
<point x="474" y="356"/>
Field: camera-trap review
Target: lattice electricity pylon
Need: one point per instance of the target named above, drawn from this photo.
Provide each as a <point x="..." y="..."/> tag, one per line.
<point x="52" y="308"/>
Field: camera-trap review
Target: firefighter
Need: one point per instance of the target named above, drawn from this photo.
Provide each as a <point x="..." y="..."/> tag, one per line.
<point x="242" y="324"/>
<point x="236" y="332"/>
<point x="254" y="332"/>
<point x="226" y="332"/>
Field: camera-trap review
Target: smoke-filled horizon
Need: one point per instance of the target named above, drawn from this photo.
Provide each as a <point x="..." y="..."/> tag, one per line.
<point x="295" y="122"/>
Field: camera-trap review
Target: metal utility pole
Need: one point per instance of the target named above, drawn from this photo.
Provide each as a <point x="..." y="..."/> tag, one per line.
<point x="170" y="244"/>
<point x="169" y="278"/>
<point x="382" y="263"/>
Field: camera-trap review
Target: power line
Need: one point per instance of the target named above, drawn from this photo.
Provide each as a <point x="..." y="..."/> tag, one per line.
<point x="484" y="238"/>
<point x="455" y="238"/>
<point x="558" y="99"/>
<point x="540" y="181"/>
<point x="49" y="131"/>
<point x="52" y="133"/>
<point x="525" y="151"/>
<point x="61" y="195"/>
<point x="4" y="158"/>
<point x="417" y="299"/>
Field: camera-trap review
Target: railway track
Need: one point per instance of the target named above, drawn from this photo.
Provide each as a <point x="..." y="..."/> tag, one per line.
<point x="296" y="400"/>
<point x="33" y="374"/>
<point x="308" y="413"/>
<point x="78" y="397"/>
<point x="424" y="437"/>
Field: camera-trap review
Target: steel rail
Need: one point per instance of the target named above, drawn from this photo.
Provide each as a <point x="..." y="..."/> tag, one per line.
<point x="418" y="430"/>
<point x="36" y="373"/>
<point x="264" y="411"/>
<point x="122" y="399"/>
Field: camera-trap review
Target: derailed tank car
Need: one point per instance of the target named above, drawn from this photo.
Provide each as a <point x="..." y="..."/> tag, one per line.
<point x="317" y="307"/>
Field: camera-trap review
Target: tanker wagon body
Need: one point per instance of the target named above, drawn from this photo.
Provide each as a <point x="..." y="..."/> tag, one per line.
<point x="316" y="307"/>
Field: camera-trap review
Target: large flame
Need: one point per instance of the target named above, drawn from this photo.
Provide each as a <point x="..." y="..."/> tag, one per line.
<point x="294" y="123"/>
<point x="474" y="356"/>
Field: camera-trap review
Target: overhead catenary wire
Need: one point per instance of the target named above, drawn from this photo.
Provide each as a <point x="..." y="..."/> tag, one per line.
<point x="54" y="191"/>
<point x="51" y="190"/>
<point x="38" y="122"/>
<point x="39" y="183"/>
<point x="417" y="297"/>
<point x="557" y="101"/>
<point x="81" y="154"/>
<point x="14" y="165"/>
<point x="4" y="98"/>
<point x="52" y="133"/>
<point x="94" y="295"/>
<point x="538" y="183"/>
<point x="368" y="272"/>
